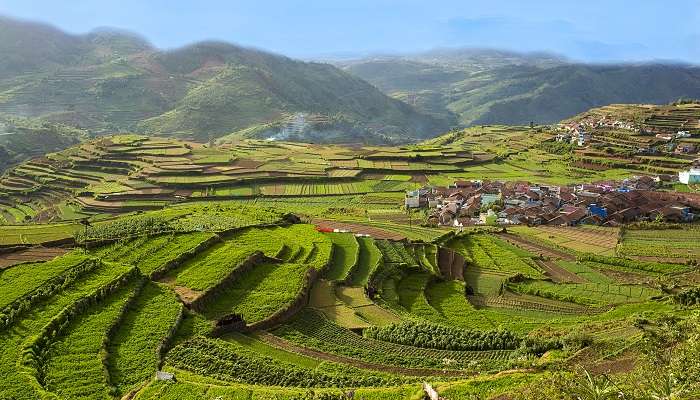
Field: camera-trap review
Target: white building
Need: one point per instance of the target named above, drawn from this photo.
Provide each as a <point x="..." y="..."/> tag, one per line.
<point x="690" y="176"/>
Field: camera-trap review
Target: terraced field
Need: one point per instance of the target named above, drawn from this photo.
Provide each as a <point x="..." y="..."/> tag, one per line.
<point x="129" y="255"/>
<point x="287" y="306"/>
<point x="668" y="245"/>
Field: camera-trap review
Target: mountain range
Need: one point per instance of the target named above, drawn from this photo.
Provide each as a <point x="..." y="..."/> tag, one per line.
<point x="111" y="81"/>
<point x="471" y="87"/>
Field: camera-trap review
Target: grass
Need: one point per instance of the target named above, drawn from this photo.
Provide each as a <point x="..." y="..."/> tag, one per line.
<point x="411" y="291"/>
<point x="367" y="261"/>
<point x="151" y="254"/>
<point x="261" y="292"/>
<point x="13" y="383"/>
<point x="74" y="369"/>
<point x="133" y="351"/>
<point x="22" y="279"/>
<point x="345" y="256"/>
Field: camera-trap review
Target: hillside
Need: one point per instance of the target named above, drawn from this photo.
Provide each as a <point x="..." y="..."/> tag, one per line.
<point x="241" y="299"/>
<point x="22" y="138"/>
<point x="509" y="90"/>
<point x="109" y="81"/>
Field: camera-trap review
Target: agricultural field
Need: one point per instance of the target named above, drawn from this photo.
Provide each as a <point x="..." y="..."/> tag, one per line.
<point x="665" y="245"/>
<point x="275" y="270"/>
<point x="320" y="311"/>
<point x="589" y="239"/>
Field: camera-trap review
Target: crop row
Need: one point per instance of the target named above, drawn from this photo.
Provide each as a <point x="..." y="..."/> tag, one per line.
<point x="25" y="285"/>
<point x="311" y="329"/>
<point x="134" y="349"/>
<point x="486" y="253"/>
<point x="396" y="253"/>
<point x="591" y="294"/>
<point x="73" y="364"/>
<point x="153" y="253"/>
<point x="433" y="336"/>
<point x="345" y="256"/>
<point x="225" y="361"/>
<point x="369" y="258"/>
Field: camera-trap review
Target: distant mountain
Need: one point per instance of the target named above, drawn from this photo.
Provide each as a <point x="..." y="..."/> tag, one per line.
<point x="110" y="80"/>
<point x="22" y="138"/>
<point x="487" y="87"/>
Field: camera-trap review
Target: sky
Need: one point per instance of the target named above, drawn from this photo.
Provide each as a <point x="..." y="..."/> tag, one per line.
<point x="582" y="30"/>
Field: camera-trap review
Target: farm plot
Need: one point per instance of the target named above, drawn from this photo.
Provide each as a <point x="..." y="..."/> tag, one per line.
<point x="23" y="279"/>
<point x="260" y="292"/>
<point x="356" y="299"/>
<point x="411" y="291"/>
<point x="490" y="253"/>
<point x="665" y="245"/>
<point x="153" y="253"/>
<point x="394" y="252"/>
<point x="345" y="256"/>
<point x="367" y="262"/>
<point x="592" y="294"/>
<point x="312" y="330"/>
<point x="17" y="385"/>
<point x="229" y="362"/>
<point x="300" y="244"/>
<point x="597" y="240"/>
<point x="33" y="254"/>
<point x="36" y="234"/>
<point x="449" y="300"/>
<point x="133" y="352"/>
<point x="356" y="227"/>
<point x="327" y="299"/>
<point x="73" y="368"/>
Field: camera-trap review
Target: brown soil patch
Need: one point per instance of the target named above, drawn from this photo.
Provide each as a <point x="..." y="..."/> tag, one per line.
<point x="559" y="274"/>
<point x="291" y="347"/>
<point x="420" y="178"/>
<point x="624" y="277"/>
<point x="535" y="248"/>
<point x="612" y="367"/>
<point x="187" y="295"/>
<point x="34" y="254"/>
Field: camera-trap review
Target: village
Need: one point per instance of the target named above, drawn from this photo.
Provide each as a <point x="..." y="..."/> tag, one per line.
<point x="476" y="202"/>
<point x="668" y="140"/>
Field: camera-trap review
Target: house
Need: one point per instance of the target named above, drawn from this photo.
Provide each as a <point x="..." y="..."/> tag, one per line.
<point x="596" y="210"/>
<point x="690" y="176"/>
<point x="569" y="216"/>
<point x="489" y="198"/>
<point x="582" y="137"/>
<point x="413" y="199"/>
<point x="592" y="220"/>
<point x="672" y="214"/>
<point x="627" y="215"/>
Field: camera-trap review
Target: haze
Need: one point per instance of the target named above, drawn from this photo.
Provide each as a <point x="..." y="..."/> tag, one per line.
<point x="591" y="31"/>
